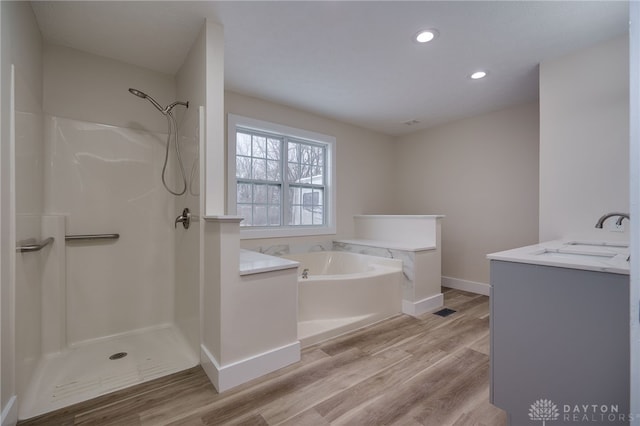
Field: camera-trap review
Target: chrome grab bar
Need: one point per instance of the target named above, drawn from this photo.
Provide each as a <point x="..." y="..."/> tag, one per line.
<point x="30" y="245"/>
<point x="86" y="237"/>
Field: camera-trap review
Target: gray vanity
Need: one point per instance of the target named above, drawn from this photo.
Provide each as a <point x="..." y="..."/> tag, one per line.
<point x="560" y="333"/>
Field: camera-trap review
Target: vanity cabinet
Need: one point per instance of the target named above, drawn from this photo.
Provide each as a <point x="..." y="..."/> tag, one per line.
<point x="559" y="344"/>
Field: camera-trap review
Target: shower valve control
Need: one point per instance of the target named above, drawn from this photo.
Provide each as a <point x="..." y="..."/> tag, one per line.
<point x="184" y="218"/>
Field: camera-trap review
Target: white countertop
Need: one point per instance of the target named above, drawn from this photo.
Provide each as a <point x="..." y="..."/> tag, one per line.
<point x="588" y="255"/>
<point x="252" y="262"/>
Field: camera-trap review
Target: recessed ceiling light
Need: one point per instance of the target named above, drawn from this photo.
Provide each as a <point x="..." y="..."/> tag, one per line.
<point x="425" y="36"/>
<point x="478" y="75"/>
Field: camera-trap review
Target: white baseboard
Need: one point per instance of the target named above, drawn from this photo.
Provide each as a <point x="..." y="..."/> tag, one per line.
<point x="423" y="306"/>
<point x="209" y="365"/>
<point x="10" y="412"/>
<point x="464" y="285"/>
<point x="237" y="373"/>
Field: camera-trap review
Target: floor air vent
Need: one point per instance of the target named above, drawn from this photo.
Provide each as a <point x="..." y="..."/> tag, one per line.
<point x="444" y="312"/>
<point x="118" y="355"/>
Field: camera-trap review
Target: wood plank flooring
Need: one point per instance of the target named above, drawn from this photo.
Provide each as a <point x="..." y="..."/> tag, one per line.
<point x="429" y="371"/>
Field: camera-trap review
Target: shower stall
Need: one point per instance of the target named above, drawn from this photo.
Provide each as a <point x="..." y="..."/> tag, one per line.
<point x="107" y="287"/>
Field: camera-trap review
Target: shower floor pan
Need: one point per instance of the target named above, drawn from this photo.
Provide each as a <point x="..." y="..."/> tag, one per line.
<point x="86" y="371"/>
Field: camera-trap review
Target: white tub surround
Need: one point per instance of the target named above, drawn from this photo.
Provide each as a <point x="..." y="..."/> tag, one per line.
<point x="340" y="292"/>
<point x="414" y="239"/>
<point x="249" y="326"/>
<point x="293" y="247"/>
<point x="588" y="255"/>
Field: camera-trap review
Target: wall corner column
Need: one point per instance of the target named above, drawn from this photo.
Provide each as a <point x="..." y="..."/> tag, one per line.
<point x="221" y="254"/>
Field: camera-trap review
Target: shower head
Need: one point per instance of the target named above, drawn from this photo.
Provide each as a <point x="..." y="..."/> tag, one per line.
<point x="138" y="93"/>
<point x="143" y="95"/>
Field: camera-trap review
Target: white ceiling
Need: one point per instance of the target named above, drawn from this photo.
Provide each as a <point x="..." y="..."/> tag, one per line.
<point x="351" y="60"/>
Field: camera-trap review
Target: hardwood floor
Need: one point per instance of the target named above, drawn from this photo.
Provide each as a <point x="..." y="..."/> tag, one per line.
<point x="430" y="371"/>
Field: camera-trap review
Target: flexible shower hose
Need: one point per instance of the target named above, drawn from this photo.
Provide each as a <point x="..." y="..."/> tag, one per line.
<point x="172" y="125"/>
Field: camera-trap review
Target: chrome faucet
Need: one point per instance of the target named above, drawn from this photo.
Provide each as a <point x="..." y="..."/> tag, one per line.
<point x="305" y="273"/>
<point x="604" y="217"/>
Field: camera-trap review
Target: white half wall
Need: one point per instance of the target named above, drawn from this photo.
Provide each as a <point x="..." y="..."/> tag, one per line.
<point x="249" y="321"/>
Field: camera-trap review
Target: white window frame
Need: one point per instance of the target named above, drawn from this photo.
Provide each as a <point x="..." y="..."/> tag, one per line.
<point x="329" y="228"/>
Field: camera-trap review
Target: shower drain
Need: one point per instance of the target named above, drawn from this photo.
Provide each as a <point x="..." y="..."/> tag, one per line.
<point x="118" y="355"/>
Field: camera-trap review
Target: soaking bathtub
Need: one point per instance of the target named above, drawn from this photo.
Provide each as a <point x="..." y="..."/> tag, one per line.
<point x="341" y="291"/>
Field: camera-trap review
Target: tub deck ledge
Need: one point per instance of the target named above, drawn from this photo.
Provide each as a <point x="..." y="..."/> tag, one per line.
<point x="252" y="262"/>
<point x="393" y="245"/>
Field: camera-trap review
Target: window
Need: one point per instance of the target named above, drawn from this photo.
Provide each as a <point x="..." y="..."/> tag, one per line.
<point x="280" y="179"/>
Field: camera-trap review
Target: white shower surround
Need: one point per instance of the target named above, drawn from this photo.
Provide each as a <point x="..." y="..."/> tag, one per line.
<point x="104" y="297"/>
<point x="106" y="179"/>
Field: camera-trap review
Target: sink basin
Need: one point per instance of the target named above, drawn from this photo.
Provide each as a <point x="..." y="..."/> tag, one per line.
<point x="575" y="255"/>
<point x="599" y="244"/>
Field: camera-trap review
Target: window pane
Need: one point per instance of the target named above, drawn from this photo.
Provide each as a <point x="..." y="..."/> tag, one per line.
<point x="259" y="146"/>
<point x="273" y="149"/>
<point x="319" y="155"/>
<point x="307" y="199"/>
<point x="273" y="170"/>
<point x="318" y="217"/>
<point x="274" y="215"/>
<point x="243" y="144"/>
<point x="318" y="207"/>
<point x="294" y="215"/>
<point x="305" y="154"/>
<point x="259" y="169"/>
<point x="305" y="173"/>
<point x="293" y="172"/>
<point x="306" y="217"/>
<point x="293" y="151"/>
<point x="244" y="211"/>
<point x="260" y="194"/>
<point x="310" y="199"/>
<point x="243" y="167"/>
<point x="274" y="195"/>
<point x="295" y="196"/>
<point x="243" y="193"/>
<point x="259" y="215"/>
<point x="317" y="176"/>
